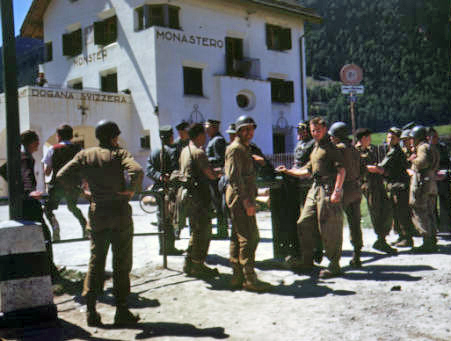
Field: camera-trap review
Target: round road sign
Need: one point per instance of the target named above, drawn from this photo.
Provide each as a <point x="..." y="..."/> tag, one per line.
<point x="351" y="74"/>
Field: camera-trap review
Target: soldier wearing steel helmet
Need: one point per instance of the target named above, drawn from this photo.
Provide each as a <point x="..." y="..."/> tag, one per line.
<point x="352" y="194"/>
<point x="423" y="189"/>
<point x="322" y="209"/>
<point x="241" y="192"/>
<point x="394" y="169"/>
<point x="110" y="216"/>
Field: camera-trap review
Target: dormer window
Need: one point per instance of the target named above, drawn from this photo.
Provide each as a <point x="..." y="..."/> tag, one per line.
<point x="105" y="32"/>
<point x="72" y="43"/>
<point x="157" y="15"/>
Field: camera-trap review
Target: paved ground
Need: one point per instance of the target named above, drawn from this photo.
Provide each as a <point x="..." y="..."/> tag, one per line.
<point x="406" y="297"/>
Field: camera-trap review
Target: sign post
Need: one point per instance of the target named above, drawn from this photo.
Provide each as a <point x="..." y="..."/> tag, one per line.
<point x="351" y="75"/>
<point x="15" y="187"/>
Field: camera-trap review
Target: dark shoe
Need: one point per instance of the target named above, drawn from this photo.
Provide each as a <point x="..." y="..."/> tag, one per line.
<point x="209" y="272"/>
<point x="255" y="285"/>
<point x="428" y="247"/>
<point x="93" y="319"/>
<point x="333" y="270"/>
<point x="382" y="245"/>
<point x="355" y="261"/>
<point x="318" y="256"/>
<point x="405" y="242"/>
<point x="124" y="317"/>
<point x="201" y="271"/>
<point x="296" y="263"/>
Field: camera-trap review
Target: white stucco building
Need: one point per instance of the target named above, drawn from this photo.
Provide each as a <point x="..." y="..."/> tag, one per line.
<point x="169" y="60"/>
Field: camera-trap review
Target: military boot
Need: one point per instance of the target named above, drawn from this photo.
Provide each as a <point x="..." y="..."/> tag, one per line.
<point x="355" y="261"/>
<point x="333" y="270"/>
<point x="429" y="246"/>
<point x="382" y="245"/>
<point x="237" y="279"/>
<point x="124" y="317"/>
<point x="252" y="283"/>
<point x="92" y="316"/>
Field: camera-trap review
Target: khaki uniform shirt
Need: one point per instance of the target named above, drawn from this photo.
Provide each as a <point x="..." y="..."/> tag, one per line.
<point x="193" y="161"/>
<point x="325" y="160"/>
<point x="427" y="159"/>
<point x="103" y="168"/>
<point x="240" y="171"/>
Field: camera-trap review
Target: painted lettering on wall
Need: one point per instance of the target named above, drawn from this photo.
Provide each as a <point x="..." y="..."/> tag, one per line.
<point x="86" y="96"/>
<point x="182" y="38"/>
<point x="90" y="58"/>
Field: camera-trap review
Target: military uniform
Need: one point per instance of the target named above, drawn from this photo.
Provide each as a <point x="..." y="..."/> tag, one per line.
<point x="163" y="162"/>
<point x="240" y="170"/>
<point x="374" y="191"/>
<point x="318" y="212"/>
<point x="193" y="161"/>
<point x="110" y="215"/>
<point x="423" y="190"/>
<point x="216" y="153"/>
<point x="56" y="158"/>
<point x="444" y="190"/>
<point x="352" y="196"/>
<point x="395" y="165"/>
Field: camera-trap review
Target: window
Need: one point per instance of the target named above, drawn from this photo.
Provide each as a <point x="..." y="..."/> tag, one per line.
<point x="192" y="79"/>
<point x="77" y="85"/>
<point x="234" y="54"/>
<point x="157" y="15"/>
<point x="109" y="82"/>
<point x="105" y="32"/>
<point x="48" y="52"/>
<point x="72" y="43"/>
<point x="278" y="38"/>
<point x="282" y="91"/>
<point x="278" y="143"/>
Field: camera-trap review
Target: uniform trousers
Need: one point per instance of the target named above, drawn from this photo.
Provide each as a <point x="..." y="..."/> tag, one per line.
<point x="381" y="212"/>
<point x="444" y="195"/>
<point x="423" y="216"/>
<point x="399" y="199"/>
<point x="244" y="239"/>
<point x="200" y="228"/>
<point x="322" y="215"/>
<point x="110" y="225"/>
<point x="55" y="196"/>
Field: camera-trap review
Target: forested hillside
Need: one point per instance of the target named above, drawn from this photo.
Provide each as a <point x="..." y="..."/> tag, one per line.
<point x="403" y="47"/>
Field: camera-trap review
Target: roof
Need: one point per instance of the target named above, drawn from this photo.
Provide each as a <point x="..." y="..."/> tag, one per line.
<point x="33" y="25"/>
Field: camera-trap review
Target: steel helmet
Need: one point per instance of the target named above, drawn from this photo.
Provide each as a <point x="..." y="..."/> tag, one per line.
<point x="339" y="130"/>
<point x="107" y="130"/>
<point x="243" y="121"/>
<point x="406" y="134"/>
<point x="419" y="133"/>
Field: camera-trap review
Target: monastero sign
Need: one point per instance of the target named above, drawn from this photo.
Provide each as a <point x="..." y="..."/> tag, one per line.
<point x="98" y="56"/>
<point x="182" y="38"/>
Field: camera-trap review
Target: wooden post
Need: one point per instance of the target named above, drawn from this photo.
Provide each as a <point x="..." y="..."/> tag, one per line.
<point x="15" y="186"/>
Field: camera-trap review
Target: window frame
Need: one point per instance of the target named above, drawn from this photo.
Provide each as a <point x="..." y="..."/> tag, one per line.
<point x="72" y="43"/>
<point x="143" y="16"/>
<point x="278" y="38"/>
<point x="104" y="78"/>
<point x="282" y="91"/>
<point x="188" y="88"/>
<point x="106" y="31"/>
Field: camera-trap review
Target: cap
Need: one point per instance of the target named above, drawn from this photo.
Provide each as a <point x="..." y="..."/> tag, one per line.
<point x="211" y="122"/>
<point x="182" y="125"/>
<point x="302" y="125"/>
<point x="165" y="131"/>
<point x="231" y="129"/>
<point x="395" y="131"/>
<point x="362" y="132"/>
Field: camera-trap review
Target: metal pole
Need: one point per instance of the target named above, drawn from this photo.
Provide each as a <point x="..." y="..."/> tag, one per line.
<point x="15" y="186"/>
<point x="352" y="112"/>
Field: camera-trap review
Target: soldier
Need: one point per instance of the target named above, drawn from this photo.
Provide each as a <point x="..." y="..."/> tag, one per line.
<point x="240" y="197"/>
<point x="231" y="130"/>
<point x="352" y="194"/>
<point x="443" y="184"/>
<point x="374" y="190"/>
<point x="161" y="163"/>
<point x="32" y="209"/>
<point x="423" y="189"/>
<point x="394" y="168"/>
<point x="110" y="216"/>
<point x="57" y="156"/>
<point x="322" y="209"/>
<point x="216" y="153"/>
<point x="195" y="166"/>
<point x="183" y="139"/>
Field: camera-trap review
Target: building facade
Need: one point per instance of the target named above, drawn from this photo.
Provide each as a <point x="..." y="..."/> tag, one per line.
<point x="179" y="60"/>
